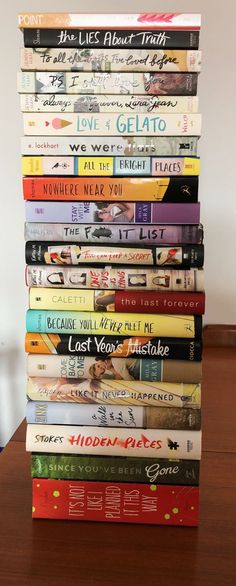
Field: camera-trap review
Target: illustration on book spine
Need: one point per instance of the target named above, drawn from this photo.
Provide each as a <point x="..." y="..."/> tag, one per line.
<point x="114" y="166"/>
<point x="97" y="103"/>
<point x="139" y="393"/>
<point x="110" y="145"/>
<point x="115" y="278"/>
<point x="118" y="233"/>
<point x="110" y="60"/>
<point x="113" y="124"/>
<point x="59" y="82"/>
<point x="106" y="369"/>
<point x="57" y="253"/>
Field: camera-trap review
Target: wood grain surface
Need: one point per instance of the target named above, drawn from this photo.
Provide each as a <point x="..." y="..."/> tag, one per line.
<point x="61" y="553"/>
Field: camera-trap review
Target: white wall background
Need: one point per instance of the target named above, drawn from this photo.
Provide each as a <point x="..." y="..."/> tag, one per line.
<point x="217" y="90"/>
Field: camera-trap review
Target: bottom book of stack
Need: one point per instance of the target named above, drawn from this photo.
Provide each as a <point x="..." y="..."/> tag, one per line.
<point x="115" y="474"/>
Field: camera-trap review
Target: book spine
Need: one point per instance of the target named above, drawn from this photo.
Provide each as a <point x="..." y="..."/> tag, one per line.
<point x="110" y="60"/>
<point x="93" y="38"/>
<point x="157" y="21"/>
<point x="118" y="502"/>
<point x="110" y="145"/>
<point x="118" y="469"/>
<point x="74" y="322"/>
<point x="69" y="439"/>
<point x="150" y="234"/>
<point x="59" y="82"/>
<point x="116" y="212"/>
<point x="44" y="412"/>
<point x="113" y="124"/>
<point x="120" y="103"/>
<point x="151" y="394"/>
<point x="118" y="278"/>
<point x="57" y="253"/>
<point x="123" y="301"/>
<point x="96" y="39"/>
<point x="115" y="166"/>
<point x="163" y="348"/>
<point x="128" y="369"/>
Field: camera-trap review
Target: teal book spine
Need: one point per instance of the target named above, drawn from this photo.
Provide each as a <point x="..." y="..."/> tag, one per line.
<point x="85" y="322"/>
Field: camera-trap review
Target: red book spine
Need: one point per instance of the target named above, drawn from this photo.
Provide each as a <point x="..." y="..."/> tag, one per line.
<point x="160" y="302"/>
<point x="116" y="502"/>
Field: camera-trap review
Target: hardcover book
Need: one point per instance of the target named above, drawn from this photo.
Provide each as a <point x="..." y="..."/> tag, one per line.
<point x="131" y="368"/>
<point x="109" y="278"/>
<point x="81" y="322"/>
<point x="115" y="469"/>
<point x="120" y="103"/>
<point x="152" y="443"/>
<point x="138" y="234"/>
<point x="46" y="412"/>
<point x="115" y="166"/>
<point x="156" y="20"/>
<point x="122" y="38"/>
<point x="110" y="60"/>
<point x="163" y="348"/>
<point x="58" y="253"/>
<point x="59" y="82"/>
<point x="110" y="145"/>
<point x="118" y="392"/>
<point x="113" y="124"/>
<point x="126" y="301"/>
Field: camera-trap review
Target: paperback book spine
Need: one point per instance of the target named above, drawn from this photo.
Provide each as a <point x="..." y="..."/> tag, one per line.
<point x="73" y="254"/>
<point x="108" y="346"/>
<point x="113" y="39"/>
<point x="116" y="212"/>
<point x="91" y="323"/>
<point x="44" y="412"/>
<point x="109" y="60"/>
<point x="158" y="21"/>
<point x="115" y="124"/>
<point x="150" y="234"/>
<point x="117" y="502"/>
<point x="115" y="166"/>
<point x="151" y="394"/>
<point x="59" y="82"/>
<point x="132" y="369"/>
<point x="111" y="145"/>
<point x="117" y="469"/>
<point x="116" y="278"/>
<point x="124" y="301"/>
<point x="69" y="439"/>
<point x="120" y="103"/>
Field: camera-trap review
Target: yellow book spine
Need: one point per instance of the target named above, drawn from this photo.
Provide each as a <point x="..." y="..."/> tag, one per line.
<point x="121" y="324"/>
<point x="59" y="299"/>
<point x="91" y="166"/>
<point x="32" y="166"/>
<point x="115" y="391"/>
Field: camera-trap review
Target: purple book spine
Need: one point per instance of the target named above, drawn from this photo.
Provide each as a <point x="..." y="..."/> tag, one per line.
<point x="88" y="212"/>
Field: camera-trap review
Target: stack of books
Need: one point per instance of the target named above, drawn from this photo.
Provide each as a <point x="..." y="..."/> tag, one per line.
<point x="114" y="259"/>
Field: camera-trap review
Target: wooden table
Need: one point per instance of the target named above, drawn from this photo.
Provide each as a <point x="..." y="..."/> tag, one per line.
<point x="57" y="553"/>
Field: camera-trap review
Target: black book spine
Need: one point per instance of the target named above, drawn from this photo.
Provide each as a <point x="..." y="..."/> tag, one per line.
<point x="107" y="346"/>
<point x="48" y="252"/>
<point x="137" y="39"/>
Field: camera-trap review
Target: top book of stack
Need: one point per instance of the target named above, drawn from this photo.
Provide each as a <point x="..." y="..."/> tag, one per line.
<point x="147" y="30"/>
